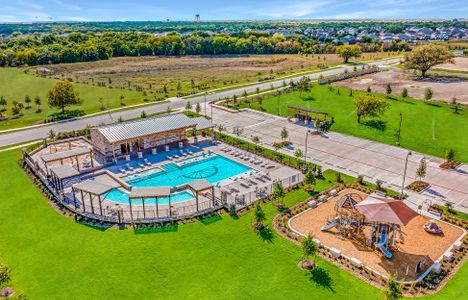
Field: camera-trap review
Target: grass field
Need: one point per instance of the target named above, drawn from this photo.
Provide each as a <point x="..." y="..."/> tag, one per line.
<point x="15" y="85"/>
<point x="53" y="257"/>
<point x="426" y="128"/>
<point x="194" y="74"/>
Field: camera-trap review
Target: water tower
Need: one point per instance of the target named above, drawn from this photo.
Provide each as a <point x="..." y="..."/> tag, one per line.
<point x="197" y="18"/>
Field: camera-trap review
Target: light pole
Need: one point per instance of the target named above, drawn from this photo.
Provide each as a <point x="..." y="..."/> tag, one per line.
<point x="205" y="103"/>
<point x="399" y="130"/>
<point x="305" y="147"/>
<point x="404" y="174"/>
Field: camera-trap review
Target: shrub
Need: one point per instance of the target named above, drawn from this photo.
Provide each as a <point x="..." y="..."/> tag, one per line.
<point x="4" y="274"/>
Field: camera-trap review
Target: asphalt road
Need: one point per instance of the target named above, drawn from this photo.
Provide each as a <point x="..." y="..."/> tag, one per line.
<point x="43" y="131"/>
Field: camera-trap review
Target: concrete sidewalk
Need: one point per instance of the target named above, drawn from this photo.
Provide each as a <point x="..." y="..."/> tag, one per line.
<point x="355" y="156"/>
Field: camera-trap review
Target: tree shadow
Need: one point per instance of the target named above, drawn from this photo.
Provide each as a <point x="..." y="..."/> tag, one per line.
<point x="376" y="124"/>
<point x="321" y="278"/>
<point x="266" y="234"/>
<point x="308" y="98"/>
<point x="155" y="228"/>
<point x="207" y="220"/>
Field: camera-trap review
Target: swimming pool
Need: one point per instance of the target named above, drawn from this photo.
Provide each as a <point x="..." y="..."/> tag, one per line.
<point x="213" y="168"/>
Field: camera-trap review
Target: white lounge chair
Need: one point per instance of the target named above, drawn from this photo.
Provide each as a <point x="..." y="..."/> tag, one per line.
<point x="147" y="162"/>
<point x="170" y="157"/>
<point x="123" y="171"/>
<point x="141" y="165"/>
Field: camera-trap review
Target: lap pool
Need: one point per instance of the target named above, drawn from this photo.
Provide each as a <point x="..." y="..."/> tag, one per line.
<point x="213" y="169"/>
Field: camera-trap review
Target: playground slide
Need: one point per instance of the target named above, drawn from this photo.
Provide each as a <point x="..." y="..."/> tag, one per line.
<point x="329" y="225"/>
<point x="381" y="245"/>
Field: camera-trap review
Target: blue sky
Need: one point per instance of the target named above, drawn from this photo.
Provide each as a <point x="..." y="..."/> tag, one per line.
<point x="108" y="10"/>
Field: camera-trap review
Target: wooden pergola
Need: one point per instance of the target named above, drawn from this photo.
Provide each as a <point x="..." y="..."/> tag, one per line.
<point x="59" y="173"/>
<point x="93" y="189"/>
<point x="304" y="111"/>
<point x="60" y="156"/>
<point x="150" y="192"/>
<point x="199" y="186"/>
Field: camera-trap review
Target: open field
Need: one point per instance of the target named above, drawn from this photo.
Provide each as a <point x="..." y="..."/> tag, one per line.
<point x="461" y="64"/>
<point x="444" y="88"/>
<point x="15" y="85"/>
<point x="192" y="74"/>
<point x="53" y="257"/>
<point x="426" y="128"/>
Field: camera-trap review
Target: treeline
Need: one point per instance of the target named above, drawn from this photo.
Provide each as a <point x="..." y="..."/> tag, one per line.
<point x="80" y="47"/>
<point x="213" y="26"/>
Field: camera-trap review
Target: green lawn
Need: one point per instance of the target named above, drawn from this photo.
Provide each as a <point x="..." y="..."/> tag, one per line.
<point x="426" y="128"/>
<point x="54" y="257"/>
<point x="15" y="85"/>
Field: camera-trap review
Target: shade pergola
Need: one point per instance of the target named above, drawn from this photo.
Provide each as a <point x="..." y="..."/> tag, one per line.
<point x="59" y="173"/>
<point x="73" y="153"/>
<point x="201" y="185"/>
<point x="150" y="192"/>
<point x="93" y="189"/>
<point x="306" y="111"/>
<point x="382" y="209"/>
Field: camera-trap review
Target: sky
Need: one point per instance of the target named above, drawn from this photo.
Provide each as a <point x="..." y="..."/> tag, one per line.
<point x="156" y="10"/>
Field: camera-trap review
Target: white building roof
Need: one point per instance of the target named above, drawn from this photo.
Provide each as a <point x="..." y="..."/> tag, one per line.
<point x="145" y="127"/>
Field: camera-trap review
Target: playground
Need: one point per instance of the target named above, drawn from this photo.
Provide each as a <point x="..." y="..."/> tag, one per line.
<point x="378" y="232"/>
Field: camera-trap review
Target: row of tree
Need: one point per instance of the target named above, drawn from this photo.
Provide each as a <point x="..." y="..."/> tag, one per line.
<point x="79" y="47"/>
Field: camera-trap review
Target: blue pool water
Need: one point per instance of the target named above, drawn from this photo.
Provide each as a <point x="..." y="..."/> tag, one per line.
<point x="213" y="169"/>
<point x="121" y="197"/>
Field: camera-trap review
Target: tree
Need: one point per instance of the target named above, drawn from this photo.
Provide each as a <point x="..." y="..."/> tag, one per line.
<point x="309" y="246"/>
<point x="392" y="289"/>
<point x="259" y="215"/>
<point x="424" y="57"/>
<point x="428" y="94"/>
<point x="421" y="170"/>
<point x="348" y="51"/>
<point x="122" y="103"/>
<point x="38" y="102"/>
<point x="454" y="104"/>
<point x="188" y="106"/>
<point x="234" y="100"/>
<point x="278" y="190"/>
<point x="309" y="177"/>
<point x="404" y="93"/>
<point x="245" y="94"/>
<point x="256" y="140"/>
<point x="143" y="115"/>
<point x="284" y="133"/>
<point x="298" y="154"/>
<point x="388" y="89"/>
<point x="28" y="101"/>
<point x="101" y="101"/>
<point x="303" y="85"/>
<point x="449" y="155"/>
<point x="16" y="108"/>
<point x="198" y="108"/>
<point x="370" y="106"/>
<point x="3" y="102"/>
<point x="369" y="89"/>
<point x="62" y="94"/>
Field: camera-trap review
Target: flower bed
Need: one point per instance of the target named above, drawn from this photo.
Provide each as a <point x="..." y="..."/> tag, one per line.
<point x="418" y="186"/>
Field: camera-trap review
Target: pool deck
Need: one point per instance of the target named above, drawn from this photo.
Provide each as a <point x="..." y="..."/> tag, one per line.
<point x="241" y="190"/>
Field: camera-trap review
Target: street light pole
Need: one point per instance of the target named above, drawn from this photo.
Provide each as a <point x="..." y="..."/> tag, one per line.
<point x="404" y="174"/>
<point x="305" y="147"/>
<point x="205" y="103"/>
<point x="399" y="129"/>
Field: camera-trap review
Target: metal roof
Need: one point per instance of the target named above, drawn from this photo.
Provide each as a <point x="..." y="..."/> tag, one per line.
<point x="93" y="187"/>
<point x="150" y="192"/>
<point x="64" y="171"/>
<point x="65" y="154"/>
<point x="145" y="127"/>
<point x="203" y="123"/>
<point x="200" y="185"/>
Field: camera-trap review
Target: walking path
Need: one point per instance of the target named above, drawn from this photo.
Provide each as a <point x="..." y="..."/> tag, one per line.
<point x="355" y="156"/>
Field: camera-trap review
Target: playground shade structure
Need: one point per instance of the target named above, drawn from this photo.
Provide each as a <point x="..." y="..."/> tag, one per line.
<point x="382" y="209"/>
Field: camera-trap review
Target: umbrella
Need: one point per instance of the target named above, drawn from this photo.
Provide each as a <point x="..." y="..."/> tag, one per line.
<point x="386" y="210"/>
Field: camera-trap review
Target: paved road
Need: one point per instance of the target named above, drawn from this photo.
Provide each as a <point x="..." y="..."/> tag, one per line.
<point x="355" y="156"/>
<point x="41" y="132"/>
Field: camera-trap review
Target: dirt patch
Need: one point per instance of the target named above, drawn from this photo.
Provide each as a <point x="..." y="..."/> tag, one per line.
<point x="461" y="64"/>
<point x="443" y="88"/>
